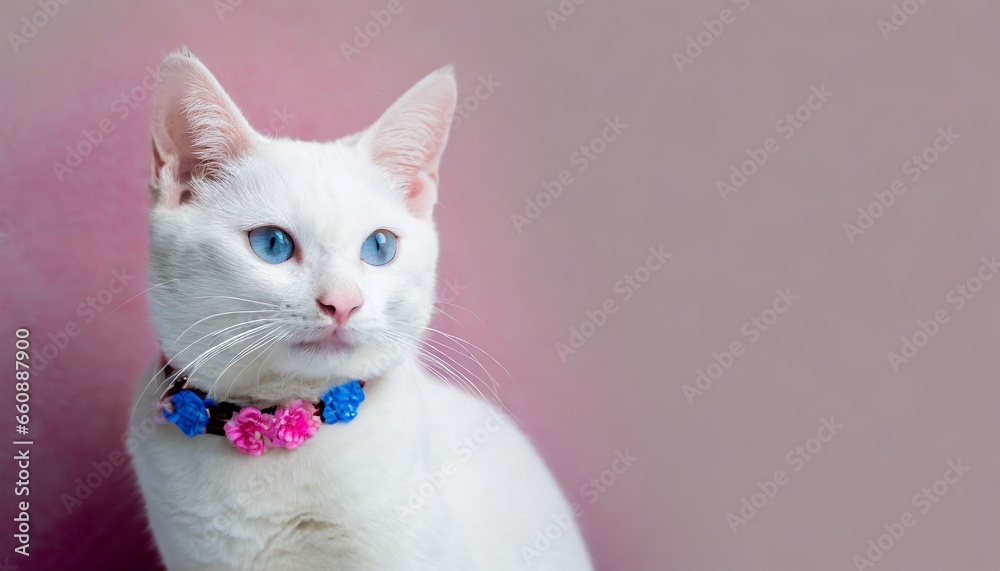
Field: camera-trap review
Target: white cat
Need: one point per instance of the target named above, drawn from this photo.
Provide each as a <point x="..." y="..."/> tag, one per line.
<point x="284" y="268"/>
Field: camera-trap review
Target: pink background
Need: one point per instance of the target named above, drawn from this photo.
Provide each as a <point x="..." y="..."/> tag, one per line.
<point x="656" y="184"/>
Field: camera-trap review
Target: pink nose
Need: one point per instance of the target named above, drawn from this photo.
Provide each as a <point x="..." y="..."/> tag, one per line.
<point x="339" y="305"/>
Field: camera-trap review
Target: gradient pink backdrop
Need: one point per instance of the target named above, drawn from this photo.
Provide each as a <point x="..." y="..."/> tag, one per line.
<point x="654" y="185"/>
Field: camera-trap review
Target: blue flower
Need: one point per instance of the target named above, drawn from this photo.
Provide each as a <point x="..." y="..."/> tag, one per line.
<point x="190" y="413"/>
<point x="341" y="403"/>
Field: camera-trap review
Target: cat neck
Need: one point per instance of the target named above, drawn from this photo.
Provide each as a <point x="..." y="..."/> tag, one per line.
<point x="273" y="389"/>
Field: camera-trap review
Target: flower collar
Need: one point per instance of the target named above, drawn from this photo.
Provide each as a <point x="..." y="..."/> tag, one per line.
<point x="251" y="430"/>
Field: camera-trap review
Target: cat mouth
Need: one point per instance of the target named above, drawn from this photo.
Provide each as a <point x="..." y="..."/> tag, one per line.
<point x="337" y="340"/>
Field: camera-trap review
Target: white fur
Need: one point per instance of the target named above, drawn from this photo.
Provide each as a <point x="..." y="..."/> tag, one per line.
<point x="347" y="498"/>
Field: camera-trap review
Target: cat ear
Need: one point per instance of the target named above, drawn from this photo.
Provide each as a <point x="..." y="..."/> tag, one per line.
<point x="409" y="138"/>
<point x="197" y="128"/>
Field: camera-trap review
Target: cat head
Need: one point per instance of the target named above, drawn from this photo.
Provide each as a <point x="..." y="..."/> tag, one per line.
<point x="280" y="267"/>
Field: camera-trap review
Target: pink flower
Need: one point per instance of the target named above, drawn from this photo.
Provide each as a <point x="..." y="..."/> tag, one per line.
<point x="294" y="424"/>
<point x="250" y="431"/>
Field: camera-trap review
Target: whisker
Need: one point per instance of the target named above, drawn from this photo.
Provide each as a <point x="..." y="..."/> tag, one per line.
<point x="274" y="305"/>
<point x="466" y="353"/>
<point x="171" y="360"/>
<point x="438" y="358"/>
<point x="137" y="295"/>
<point x="211" y="353"/>
<point x="220" y="315"/>
<point x="494" y="387"/>
<point x="458" y="340"/>
<point x="263" y="341"/>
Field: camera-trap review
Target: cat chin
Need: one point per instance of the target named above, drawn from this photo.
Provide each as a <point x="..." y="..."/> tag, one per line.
<point x="280" y="380"/>
<point x="324" y="366"/>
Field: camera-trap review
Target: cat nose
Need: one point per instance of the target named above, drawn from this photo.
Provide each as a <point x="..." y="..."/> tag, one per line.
<point x="339" y="305"/>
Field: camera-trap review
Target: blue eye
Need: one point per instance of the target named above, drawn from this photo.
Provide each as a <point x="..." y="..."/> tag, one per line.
<point x="273" y="245"/>
<point x="379" y="248"/>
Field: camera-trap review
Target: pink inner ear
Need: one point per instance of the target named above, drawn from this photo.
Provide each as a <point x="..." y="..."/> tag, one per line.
<point x="421" y="195"/>
<point x="207" y="129"/>
<point x="196" y="128"/>
<point x="409" y="138"/>
<point x="416" y="172"/>
<point x="176" y="194"/>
